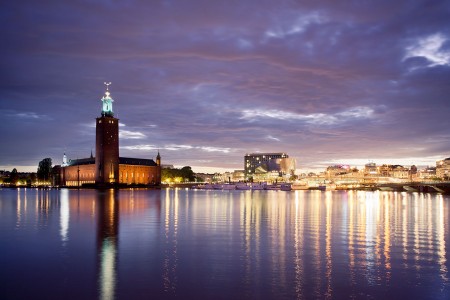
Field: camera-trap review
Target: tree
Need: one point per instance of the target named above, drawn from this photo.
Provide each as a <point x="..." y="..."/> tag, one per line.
<point x="44" y="169"/>
<point x="31" y="178"/>
<point x="14" y="176"/>
<point x="185" y="174"/>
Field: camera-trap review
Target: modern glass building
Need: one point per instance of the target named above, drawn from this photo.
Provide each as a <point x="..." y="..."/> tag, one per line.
<point x="266" y="166"/>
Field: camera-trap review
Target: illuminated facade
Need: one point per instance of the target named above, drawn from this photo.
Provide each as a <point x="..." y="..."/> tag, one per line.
<point x="443" y="168"/>
<point x="263" y="166"/>
<point x="371" y="169"/>
<point x="337" y="170"/>
<point x="107" y="167"/>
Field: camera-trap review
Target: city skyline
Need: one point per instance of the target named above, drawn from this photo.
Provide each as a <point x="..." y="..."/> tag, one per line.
<point x="206" y="82"/>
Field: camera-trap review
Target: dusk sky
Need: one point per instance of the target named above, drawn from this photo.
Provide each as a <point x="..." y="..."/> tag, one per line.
<point x="206" y="82"/>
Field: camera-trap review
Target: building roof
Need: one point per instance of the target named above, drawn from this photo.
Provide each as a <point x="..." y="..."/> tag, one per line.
<point x="122" y="160"/>
<point x="137" y="161"/>
<point x="81" y="161"/>
<point x="267" y="154"/>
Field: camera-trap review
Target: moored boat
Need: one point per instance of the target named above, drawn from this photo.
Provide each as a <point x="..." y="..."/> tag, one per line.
<point x="327" y="187"/>
<point x="272" y="187"/>
<point x="206" y="186"/>
<point x="242" y="186"/>
<point x="300" y="186"/>
<point x="285" y="187"/>
<point x="257" y="186"/>
<point x="228" y="186"/>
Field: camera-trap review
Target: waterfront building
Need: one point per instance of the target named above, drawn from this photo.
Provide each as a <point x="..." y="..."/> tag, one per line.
<point x="385" y="170"/>
<point x="400" y="172"/>
<point x="443" y="169"/>
<point x="337" y="170"/>
<point x="205" y="177"/>
<point x="235" y="176"/>
<point x="266" y="166"/>
<point x="394" y="171"/>
<point x="371" y="170"/>
<point x="226" y="177"/>
<point x="107" y="167"/>
<point x="238" y="175"/>
<point x="429" y="173"/>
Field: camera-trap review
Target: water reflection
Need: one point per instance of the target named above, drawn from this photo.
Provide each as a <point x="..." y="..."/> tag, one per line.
<point x="170" y="242"/>
<point x="328" y="251"/>
<point x="107" y="240"/>
<point x="64" y="215"/>
<point x="236" y="244"/>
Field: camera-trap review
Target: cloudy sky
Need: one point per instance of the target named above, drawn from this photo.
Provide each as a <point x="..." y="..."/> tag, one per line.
<point x="206" y="82"/>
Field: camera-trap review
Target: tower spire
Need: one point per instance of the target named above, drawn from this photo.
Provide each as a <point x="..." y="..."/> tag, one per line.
<point x="64" y="163"/>
<point x="158" y="159"/>
<point x="107" y="101"/>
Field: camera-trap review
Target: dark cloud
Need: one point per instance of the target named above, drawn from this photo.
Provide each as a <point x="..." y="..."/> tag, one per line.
<point x="208" y="81"/>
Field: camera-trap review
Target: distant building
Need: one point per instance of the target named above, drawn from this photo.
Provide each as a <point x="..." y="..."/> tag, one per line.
<point x="385" y="170"/>
<point x="107" y="167"/>
<point x="427" y="173"/>
<point x="225" y="177"/>
<point x="205" y="177"/>
<point x="337" y="170"/>
<point x="400" y="172"/>
<point x="395" y="171"/>
<point x="238" y="175"/>
<point x="371" y="170"/>
<point x="264" y="166"/>
<point x="443" y="168"/>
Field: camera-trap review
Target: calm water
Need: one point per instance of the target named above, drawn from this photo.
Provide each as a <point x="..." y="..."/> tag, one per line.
<point x="140" y="244"/>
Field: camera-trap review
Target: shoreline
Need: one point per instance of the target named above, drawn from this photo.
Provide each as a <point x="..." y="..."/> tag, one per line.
<point x="443" y="188"/>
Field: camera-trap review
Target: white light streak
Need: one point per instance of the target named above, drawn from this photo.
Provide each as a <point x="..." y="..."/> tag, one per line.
<point x="127" y="135"/>
<point x="140" y="147"/>
<point x="30" y="115"/>
<point x="298" y="26"/>
<point x="178" y="148"/>
<point x="315" y="118"/>
<point x="273" y="138"/>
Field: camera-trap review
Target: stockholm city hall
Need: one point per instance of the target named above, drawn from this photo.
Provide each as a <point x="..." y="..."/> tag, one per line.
<point x="107" y="168"/>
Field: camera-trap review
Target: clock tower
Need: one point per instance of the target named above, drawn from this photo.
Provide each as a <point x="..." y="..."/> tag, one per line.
<point x="107" y="143"/>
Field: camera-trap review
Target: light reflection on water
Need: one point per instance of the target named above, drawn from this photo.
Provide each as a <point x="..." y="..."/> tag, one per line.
<point x="134" y="244"/>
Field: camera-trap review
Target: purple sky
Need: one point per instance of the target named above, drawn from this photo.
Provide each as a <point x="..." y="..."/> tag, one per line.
<point x="208" y="81"/>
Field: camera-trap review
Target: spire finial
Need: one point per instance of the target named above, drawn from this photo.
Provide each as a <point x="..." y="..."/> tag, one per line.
<point x="107" y="93"/>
